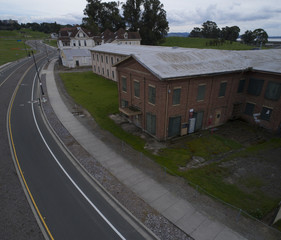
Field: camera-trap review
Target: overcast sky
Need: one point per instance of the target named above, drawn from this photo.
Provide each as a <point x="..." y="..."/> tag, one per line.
<point x="183" y="15"/>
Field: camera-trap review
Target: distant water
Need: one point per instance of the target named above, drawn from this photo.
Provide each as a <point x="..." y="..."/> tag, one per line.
<point x="270" y="39"/>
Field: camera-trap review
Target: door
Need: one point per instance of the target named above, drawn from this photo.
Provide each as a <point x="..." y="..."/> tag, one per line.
<point x="199" y="120"/>
<point x="174" y="126"/>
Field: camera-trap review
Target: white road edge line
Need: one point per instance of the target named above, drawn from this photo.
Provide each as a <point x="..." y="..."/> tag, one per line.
<point x="72" y="181"/>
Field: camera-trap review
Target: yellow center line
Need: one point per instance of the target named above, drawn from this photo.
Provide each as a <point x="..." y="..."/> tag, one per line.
<point x="16" y="158"/>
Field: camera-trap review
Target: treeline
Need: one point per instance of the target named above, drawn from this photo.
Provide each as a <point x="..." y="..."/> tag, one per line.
<point x="210" y="29"/>
<point x="146" y="16"/>
<point x="42" y="27"/>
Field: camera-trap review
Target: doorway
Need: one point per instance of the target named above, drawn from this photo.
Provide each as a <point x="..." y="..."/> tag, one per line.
<point x="174" y="126"/>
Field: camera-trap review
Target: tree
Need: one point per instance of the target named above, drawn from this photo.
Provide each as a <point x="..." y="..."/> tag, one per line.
<point x="261" y="36"/>
<point x="230" y="33"/>
<point x="210" y="30"/>
<point x="248" y="37"/>
<point x="196" y="32"/>
<point x="132" y="14"/>
<point x="101" y="16"/>
<point x="154" y="25"/>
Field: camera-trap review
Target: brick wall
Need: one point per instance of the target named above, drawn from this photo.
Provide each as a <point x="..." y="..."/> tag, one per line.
<point x="216" y="109"/>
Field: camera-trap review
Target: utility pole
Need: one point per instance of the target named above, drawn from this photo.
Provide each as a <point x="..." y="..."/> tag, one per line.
<point x="40" y="83"/>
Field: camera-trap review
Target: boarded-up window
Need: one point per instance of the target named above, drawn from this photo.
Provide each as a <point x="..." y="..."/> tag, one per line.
<point x="273" y="91"/>
<point x="255" y="86"/>
<point x="124" y="84"/>
<point x="151" y="123"/>
<point x="151" y="94"/>
<point x="249" y="109"/>
<point x="241" y="86"/>
<point x="137" y="88"/>
<point x="266" y="113"/>
<point x="201" y="92"/>
<point x="176" y="96"/>
<point x="222" y="89"/>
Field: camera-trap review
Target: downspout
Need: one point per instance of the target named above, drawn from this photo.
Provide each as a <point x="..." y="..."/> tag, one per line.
<point x="166" y="110"/>
<point x="144" y="103"/>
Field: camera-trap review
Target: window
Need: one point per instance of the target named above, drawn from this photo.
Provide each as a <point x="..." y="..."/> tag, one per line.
<point x="124" y="84"/>
<point x="106" y="59"/>
<point x="137" y="88"/>
<point x="93" y="56"/>
<point x="201" y="92"/>
<point x="176" y="96"/>
<point x="85" y="43"/>
<point x="97" y="57"/>
<point x="151" y="94"/>
<point x="79" y="43"/>
<point x="241" y="86"/>
<point x="107" y="71"/>
<point x="266" y="113"/>
<point x="113" y="74"/>
<point x="95" y="68"/>
<point x="151" y="123"/>
<point x="255" y="86"/>
<point x="111" y="60"/>
<point x="222" y="89"/>
<point x="102" y="58"/>
<point x="249" y="109"/>
<point x="273" y="91"/>
<point x="124" y="103"/>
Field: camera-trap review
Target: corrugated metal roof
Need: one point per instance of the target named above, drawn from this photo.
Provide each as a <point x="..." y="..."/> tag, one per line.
<point x="173" y="62"/>
<point x="70" y="53"/>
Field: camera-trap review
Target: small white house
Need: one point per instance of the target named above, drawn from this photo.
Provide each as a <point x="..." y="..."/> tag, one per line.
<point x="75" y="57"/>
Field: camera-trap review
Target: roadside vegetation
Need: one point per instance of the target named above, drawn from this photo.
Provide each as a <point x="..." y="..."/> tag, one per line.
<point x="202" y="43"/>
<point x="12" y="43"/>
<point x="100" y="97"/>
<point x="51" y="42"/>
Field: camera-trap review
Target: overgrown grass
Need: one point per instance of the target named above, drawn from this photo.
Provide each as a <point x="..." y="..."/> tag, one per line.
<point x="100" y="97"/>
<point x="203" y="43"/>
<point x="12" y="46"/>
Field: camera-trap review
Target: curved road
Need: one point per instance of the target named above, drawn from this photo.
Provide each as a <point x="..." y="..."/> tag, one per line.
<point x="66" y="205"/>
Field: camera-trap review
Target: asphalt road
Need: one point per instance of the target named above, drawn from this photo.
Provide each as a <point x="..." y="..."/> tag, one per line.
<point x="66" y="204"/>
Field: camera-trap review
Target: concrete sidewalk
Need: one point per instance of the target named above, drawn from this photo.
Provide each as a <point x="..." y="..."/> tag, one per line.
<point x="179" y="211"/>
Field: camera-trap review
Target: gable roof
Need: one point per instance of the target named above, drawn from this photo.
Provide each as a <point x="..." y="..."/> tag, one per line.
<point x="174" y="62"/>
<point x="109" y="36"/>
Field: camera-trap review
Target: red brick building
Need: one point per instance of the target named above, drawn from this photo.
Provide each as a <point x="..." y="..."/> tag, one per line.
<point x="174" y="91"/>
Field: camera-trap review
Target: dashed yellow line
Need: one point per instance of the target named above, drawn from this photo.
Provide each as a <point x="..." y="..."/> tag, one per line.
<point x="16" y="158"/>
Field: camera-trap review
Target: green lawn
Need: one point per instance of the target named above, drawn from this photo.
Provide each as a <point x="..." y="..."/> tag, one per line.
<point x="202" y="43"/>
<point x="51" y="42"/>
<point x="100" y="97"/>
<point x="12" y="45"/>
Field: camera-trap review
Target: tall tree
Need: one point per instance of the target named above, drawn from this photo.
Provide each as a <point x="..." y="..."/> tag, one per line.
<point x="261" y="36"/>
<point x="154" y="24"/>
<point x="230" y="33"/>
<point x="210" y="30"/>
<point x="248" y="37"/>
<point x="196" y="32"/>
<point x="101" y="16"/>
<point x="132" y="14"/>
<point x="93" y="12"/>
